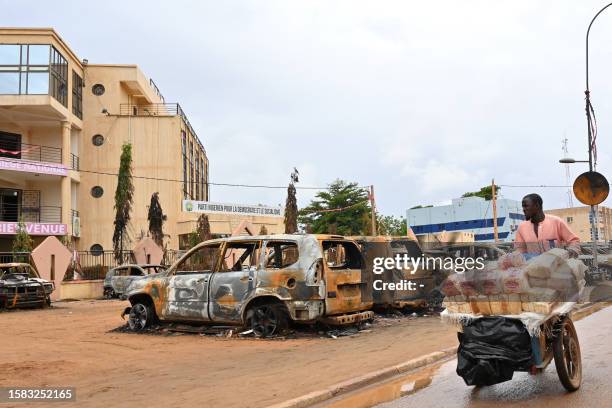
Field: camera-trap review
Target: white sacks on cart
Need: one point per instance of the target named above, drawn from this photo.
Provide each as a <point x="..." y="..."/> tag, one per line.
<point x="512" y="285"/>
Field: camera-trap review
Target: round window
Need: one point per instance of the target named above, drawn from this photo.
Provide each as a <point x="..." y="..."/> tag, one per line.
<point x="97" y="191"/>
<point x="98" y="89"/>
<point x="97" y="140"/>
<point x="96" y="250"/>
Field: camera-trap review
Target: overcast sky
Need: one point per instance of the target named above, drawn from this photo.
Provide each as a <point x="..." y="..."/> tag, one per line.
<point x="424" y="99"/>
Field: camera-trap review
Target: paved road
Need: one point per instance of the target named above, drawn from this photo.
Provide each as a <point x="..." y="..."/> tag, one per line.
<point x="595" y="335"/>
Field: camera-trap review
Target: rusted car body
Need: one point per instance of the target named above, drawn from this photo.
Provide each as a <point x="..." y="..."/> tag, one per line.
<point x="22" y="286"/>
<point x="257" y="281"/>
<point x="389" y="247"/>
<point x="120" y="277"/>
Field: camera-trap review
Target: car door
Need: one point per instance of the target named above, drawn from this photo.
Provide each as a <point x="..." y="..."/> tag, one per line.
<point x="135" y="272"/>
<point x="119" y="280"/>
<point x="235" y="280"/>
<point x="188" y="284"/>
<point x="345" y="285"/>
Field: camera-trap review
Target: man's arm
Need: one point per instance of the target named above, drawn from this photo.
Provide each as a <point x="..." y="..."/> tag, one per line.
<point x="569" y="238"/>
<point x="519" y="242"/>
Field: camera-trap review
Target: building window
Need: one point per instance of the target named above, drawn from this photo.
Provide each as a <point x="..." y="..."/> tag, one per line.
<point x="33" y="69"/>
<point x="98" y="89"/>
<point x="97" y="140"/>
<point x="77" y="95"/>
<point x="191" y="179"/>
<point x="570" y="220"/>
<point x="97" y="191"/>
<point x="58" y="69"/>
<point x="184" y="151"/>
<point x="96" y="249"/>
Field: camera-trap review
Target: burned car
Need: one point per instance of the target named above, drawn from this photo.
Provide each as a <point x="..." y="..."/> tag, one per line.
<point x="389" y="247"/>
<point x="22" y="286"/>
<point x="262" y="282"/>
<point x="119" y="278"/>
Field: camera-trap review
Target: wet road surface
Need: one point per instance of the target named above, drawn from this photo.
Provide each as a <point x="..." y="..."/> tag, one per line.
<point x="448" y="390"/>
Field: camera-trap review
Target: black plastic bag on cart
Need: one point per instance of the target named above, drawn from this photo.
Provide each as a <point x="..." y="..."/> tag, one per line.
<point x="491" y="349"/>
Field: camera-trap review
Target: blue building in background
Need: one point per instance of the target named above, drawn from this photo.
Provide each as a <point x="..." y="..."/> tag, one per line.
<point x="469" y="214"/>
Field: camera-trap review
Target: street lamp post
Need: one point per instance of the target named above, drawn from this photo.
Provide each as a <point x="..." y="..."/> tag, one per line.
<point x="590" y="127"/>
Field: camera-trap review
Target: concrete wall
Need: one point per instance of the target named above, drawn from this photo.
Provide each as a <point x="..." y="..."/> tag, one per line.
<point x="85" y="289"/>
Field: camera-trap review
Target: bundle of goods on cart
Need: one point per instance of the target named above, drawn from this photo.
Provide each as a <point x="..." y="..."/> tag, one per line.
<point x="513" y="286"/>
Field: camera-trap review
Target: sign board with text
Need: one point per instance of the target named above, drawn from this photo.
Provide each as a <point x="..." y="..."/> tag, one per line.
<point x="232" y="209"/>
<point x="34" y="228"/>
<point x="28" y="166"/>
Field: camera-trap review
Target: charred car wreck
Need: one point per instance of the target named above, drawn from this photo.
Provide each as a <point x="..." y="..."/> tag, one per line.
<point x="22" y="286"/>
<point x="261" y="282"/>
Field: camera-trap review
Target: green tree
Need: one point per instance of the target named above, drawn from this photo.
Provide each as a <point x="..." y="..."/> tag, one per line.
<point x="123" y="202"/>
<point x="391" y="225"/>
<point x="156" y="219"/>
<point x="342" y="209"/>
<point x="22" y="242"/>
<point x="485" y="192"/>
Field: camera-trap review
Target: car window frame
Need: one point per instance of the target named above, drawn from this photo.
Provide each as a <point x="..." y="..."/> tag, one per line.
<point x="226" y="244"/>
<point x="263" y="259"/>
<point x="170" y="272"/>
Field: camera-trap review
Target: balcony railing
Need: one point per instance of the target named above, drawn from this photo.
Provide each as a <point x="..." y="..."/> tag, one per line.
<point x="47" y="154"/>
<point x="157" y="109"/>
<point x="32" y="152"/>
<point x="74" y="162"/>
<point x="10" y="212"/>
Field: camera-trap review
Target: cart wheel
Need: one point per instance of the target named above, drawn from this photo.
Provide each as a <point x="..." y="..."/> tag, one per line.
<point x="566" y="350"/>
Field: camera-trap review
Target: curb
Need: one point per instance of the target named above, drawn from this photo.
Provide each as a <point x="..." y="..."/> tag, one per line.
<point x="333" y="391"/>
<point x="365" y="380"/>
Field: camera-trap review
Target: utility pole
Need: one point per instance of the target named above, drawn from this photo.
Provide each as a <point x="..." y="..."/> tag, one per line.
<point x="373" y="207"/>
<point x="494" y="198"/>
<point x="568" y="176"/>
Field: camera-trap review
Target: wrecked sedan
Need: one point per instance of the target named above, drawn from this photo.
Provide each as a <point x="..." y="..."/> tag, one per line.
<point x="22" y="286"/>
<point x="261" y="282"/>
<point x="120" y="277"/>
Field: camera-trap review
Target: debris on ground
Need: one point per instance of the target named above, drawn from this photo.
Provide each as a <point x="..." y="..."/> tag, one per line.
<point x="382" y="319"/>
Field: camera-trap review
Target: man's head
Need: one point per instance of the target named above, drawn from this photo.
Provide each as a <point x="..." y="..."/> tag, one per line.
<point x="532" y="205"/>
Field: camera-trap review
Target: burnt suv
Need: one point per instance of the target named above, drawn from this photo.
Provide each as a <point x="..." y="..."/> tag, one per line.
<point x="22" y="286"/>
<point x="262" y="282"/>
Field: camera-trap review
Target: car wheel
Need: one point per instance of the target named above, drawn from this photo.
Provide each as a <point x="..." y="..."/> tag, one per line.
<point x="141" y="316"/>
<point x="267" y="319"/>
<point x="109" y="293"/>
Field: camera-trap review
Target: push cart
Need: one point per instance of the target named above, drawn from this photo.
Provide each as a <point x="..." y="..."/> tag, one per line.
<point x="492" y="348"/>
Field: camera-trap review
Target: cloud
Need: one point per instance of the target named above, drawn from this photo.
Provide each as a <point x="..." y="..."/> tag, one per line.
<point x="425" y="100"/>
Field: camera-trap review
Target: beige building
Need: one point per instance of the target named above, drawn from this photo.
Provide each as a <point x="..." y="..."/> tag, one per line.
<point x="63" y="122"/>
<point x="579" y="220"/>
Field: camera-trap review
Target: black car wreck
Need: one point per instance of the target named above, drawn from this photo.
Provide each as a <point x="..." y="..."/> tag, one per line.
<point x="22" y="286"/>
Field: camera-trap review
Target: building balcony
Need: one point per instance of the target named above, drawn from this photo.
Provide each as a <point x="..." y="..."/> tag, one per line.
<point x="32" y="158"/>
<point x="37" y="214"/>
<point x="157" y="109"/>
<point x="25" y="205"/>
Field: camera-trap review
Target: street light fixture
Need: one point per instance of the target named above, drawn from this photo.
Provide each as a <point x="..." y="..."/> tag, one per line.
<point x="569" y="160"/>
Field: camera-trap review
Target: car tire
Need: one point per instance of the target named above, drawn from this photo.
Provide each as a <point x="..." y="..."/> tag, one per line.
<point x="267" y="319"/>
<point x="109" y="293"/>
<point x="141" y="316"/>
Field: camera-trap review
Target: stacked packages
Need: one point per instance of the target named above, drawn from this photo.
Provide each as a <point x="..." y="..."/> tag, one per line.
<point x="512" y="286"/>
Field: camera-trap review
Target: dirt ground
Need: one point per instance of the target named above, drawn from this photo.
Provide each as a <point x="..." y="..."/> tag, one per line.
<point x="73" y="344"/>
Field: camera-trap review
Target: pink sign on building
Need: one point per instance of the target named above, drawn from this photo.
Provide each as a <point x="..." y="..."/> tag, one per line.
<point x="34" y="228"/>
<point x="28" y="166"/>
